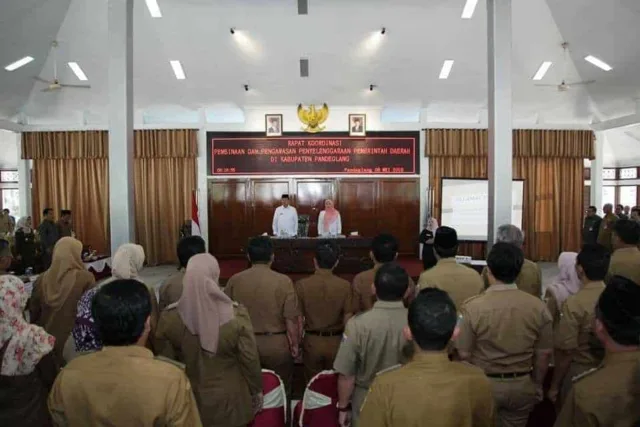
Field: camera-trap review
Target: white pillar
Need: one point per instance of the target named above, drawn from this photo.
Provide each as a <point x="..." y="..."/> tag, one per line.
<point x="24" y="180"/>
<point x="424" y="175"/>
<point x="201" y="178"/>
<point x="500" y="125"/>
<point x="121" y="206"/>
<point x="596" y="170"/>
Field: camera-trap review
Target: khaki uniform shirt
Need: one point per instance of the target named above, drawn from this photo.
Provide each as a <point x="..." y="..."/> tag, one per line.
<point x="223" y="383"/>
<point x="459" y="281"/>
<point x="552" y="306"/>
<point x="607" y="396"/>
<point x="502" y="329"/>
<point x="324" y="300"/>
<point x="171" y="290"/>
<point x="625" y="262"/>
<point x="574" y="330"/>
<point x="529" y="280"/>
<point x="122" y="386"/>
<point x="372" y="342"/>
<point x="605" y="233"/>
<point x="363" y="297"/>
<point x="405" y="396"/>
<point x="268" y="296"/>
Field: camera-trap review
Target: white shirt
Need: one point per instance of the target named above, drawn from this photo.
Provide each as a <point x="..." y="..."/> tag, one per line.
<point x="335" y="228"/>
<point x="285" y="220"/>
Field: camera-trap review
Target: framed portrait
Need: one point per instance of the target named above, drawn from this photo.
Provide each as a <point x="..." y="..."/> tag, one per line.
<point x="273" y="124"/>
<point x="357" y="124"/>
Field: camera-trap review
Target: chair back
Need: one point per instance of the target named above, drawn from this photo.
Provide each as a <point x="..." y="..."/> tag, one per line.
<point x="274" y="406"/>
<point x="303" y="225"/>
<point x="319" y="404"/>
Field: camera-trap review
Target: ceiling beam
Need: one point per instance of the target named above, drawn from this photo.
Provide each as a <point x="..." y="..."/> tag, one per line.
<point x="9" y="125"/>
<point x="619" y="122"/>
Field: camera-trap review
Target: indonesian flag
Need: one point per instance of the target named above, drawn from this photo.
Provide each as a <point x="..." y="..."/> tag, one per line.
<point x="195" y="222"/>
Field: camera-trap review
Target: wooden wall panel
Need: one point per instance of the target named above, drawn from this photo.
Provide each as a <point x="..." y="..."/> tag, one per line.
<point x="241" y="208"/>
<point x="357" y="205"/>
<point x="399" y="210"/>
<point x="228" y="216"/>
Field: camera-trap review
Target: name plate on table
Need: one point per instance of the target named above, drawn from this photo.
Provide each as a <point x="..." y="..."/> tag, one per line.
<point x="305" y="155"/>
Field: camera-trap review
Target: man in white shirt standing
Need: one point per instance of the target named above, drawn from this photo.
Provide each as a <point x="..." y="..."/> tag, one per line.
<point x="285" y="219"/>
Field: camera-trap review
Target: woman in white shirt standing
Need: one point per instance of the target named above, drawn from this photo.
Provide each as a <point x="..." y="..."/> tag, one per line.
<point x="329" y="222"/>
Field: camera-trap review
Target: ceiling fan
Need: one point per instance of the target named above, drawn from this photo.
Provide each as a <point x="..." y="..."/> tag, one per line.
<point x="54" y="85"/>
<point x="564" y="86"/>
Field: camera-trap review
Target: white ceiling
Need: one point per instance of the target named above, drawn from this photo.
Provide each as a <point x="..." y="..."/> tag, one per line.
<point x="338" y="37"/>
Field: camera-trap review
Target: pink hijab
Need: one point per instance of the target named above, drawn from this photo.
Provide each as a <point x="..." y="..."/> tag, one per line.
<point x="203" y="307"/>
<point x="330" y="214"/>
<point x="567" y="282"/>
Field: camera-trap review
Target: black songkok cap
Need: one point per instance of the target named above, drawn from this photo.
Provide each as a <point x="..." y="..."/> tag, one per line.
<point x="446" y="238"/>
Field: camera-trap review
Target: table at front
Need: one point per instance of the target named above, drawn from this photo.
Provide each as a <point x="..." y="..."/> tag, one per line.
<point x="295" y="256"/>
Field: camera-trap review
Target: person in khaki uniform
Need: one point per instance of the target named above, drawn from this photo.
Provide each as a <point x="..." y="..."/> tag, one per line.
<point x="171" y="290"/>
<point x="404" y="397"/>
<point x="609" y="395"/>
<point x="273" y="306"/>
<point x="509" y="334"/>
<point x="606" y="227"/>
<point x="214" y="338"/>
<point x="325" y="301"/>
<point x="459" y="281"/>
<point x="530" y="278"/>
<point x="372" y="341"/>
<point x="384" y="249"/>
<point x="122" y="385"/>
<point x="574" y="331"/>
<point x="625" y="260"/>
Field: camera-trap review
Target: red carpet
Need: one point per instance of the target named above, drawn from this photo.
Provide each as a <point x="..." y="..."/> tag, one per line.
<point x="229" y="267"/>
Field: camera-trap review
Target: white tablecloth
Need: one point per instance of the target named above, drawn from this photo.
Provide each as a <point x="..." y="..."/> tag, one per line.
<point x="99" y="265"/>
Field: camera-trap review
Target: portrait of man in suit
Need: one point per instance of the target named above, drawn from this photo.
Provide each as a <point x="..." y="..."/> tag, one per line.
<point x="273" y="124"/>
<point x="357" y="126"/>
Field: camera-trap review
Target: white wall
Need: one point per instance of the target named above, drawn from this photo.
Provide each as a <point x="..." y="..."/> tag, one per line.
<point x="8" y="149"/>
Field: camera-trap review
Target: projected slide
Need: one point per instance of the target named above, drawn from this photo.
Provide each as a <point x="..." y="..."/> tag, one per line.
<point x="465" y="206"/>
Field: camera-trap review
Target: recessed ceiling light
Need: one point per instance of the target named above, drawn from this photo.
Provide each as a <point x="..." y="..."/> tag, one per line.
<point x="177" y="70"/>
<point x="78" y="71"/>
<point x="598" y="63"/>
<point x="19" y="63"/>
<point x="154" y="9"/>
<point x="469" y="8"/>
<point x="446" y="69"/>
<point x="544" y="67"/>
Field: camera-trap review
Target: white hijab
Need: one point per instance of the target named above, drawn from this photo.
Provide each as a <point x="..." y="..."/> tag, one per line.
<point x="127" y="261"/>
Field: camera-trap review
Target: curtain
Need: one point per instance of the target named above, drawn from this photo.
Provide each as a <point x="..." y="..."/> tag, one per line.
<point x="70" y="171"/>
<point x="164" y="177"/>
<point x="553" y="174"/>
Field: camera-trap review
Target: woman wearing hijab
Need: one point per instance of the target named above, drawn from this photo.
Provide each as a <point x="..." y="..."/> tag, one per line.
<point x="27" y="369"/>
<point x="126" y="264"/>
<point x="329" y="221"/>
<point x="429" y="259"/>
<point x="214" y="338"/>
<point x="564" y="285"/>
<point x="25" y="240"/>
<point x="57" y="291"/>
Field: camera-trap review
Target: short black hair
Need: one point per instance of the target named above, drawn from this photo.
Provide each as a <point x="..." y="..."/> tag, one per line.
<point x="635" y="209"/>
<point x="592" y="208"/>
<point x="327" y="254"/>
<point x="384" y="248"/>
<point x="628" y="231"/>
<point x="391" y="282"/>
<point x="618" y="309"/>
<point x="260" y="250"/>
<point x="120" y="310"/>
<point x="505" y="262"/>
<point x="188" y="247"/>
<point x="432" y="319"/>
<point x="46" y="211"/>
<point x="620" y="206"/>
<point x="64" y="212"/>
<point x="594" y="260"/>
<point x="445" y="242"/>
<point x="6" y="210"/>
